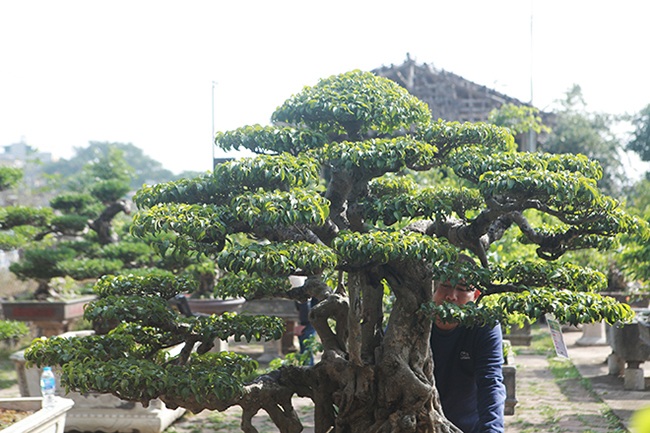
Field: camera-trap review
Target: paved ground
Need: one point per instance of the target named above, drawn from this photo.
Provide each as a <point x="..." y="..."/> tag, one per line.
<point x="591" y="362"/>
<point x="570" y="404"/>
<point x="589" y="402"/>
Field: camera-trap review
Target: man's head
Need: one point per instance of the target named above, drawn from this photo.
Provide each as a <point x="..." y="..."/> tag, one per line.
<point x="459" y="293"/>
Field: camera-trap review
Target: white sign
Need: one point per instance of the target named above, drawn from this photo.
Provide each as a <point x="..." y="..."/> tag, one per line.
<point x="556" y="335"/>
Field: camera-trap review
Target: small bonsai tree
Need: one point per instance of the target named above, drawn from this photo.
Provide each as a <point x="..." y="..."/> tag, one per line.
<point x="331" y="197"/>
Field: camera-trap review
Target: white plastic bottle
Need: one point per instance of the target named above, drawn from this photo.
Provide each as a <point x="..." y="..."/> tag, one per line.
<point x="48" y="387"/>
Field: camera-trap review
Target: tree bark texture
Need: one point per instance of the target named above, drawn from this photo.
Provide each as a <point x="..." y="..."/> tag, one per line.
<point x="372" y="377"/>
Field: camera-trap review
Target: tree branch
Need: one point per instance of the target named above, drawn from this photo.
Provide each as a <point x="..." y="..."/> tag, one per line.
<point x="338" y="190"/>
<point x="103" y="223"/>
<point x="335" y="307"/>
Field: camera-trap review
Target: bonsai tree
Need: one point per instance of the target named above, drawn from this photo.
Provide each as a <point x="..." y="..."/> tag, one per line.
<point x="12" y="330"/>
<point x="331" y="197"/>
<point x="74" y="237"/>
<point x="11" y="216"/>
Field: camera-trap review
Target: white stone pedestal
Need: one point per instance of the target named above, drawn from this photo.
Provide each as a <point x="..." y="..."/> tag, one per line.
<point x="593" y="334"/>
<point x="272" y="350"/>
<point x="219" y="346"/>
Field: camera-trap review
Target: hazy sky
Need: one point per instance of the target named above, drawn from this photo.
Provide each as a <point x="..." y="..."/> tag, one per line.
<point x="142" y="71"/>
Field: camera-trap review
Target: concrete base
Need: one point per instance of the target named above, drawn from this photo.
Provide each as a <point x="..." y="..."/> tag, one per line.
<point x="630" y="345"/>
<point x="219" y="346"/>
<point x="519" y="335"/>
<point x="509" y="374"/>
<point x="272" y="350"/>
<point x="634" y="379"/>
<point x="633" y="374"/>
<point x="615" y="365"/>
<point x="593" y="334"/>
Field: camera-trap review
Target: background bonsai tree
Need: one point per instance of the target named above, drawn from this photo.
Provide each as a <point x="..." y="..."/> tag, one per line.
<point x="332" y="197"/>
<point x="76" y="237"/>
<point x="10" y="217"/>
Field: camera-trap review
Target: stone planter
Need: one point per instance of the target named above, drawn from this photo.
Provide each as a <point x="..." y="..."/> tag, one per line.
<point x="99" y="412"/>
<point x="630" y="345"/>
<point x="51" y="318"/>
<point x="215" y="306"/>
<point x="519" y="335"/>
<point x="284" y="309"/>
<point x="634" y="300"/>
<point x="51" y="420"/>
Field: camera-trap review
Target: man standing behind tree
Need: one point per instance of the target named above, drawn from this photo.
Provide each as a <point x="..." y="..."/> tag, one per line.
<point x="468" y="365"/>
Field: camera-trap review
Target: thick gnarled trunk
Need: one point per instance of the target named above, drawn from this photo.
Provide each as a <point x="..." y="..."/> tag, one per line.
<point x="371" y="381"/>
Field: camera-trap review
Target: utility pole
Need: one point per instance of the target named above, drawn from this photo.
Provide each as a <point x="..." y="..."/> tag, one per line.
<point x="532" y="136"/>
<point x="212" y="139"/>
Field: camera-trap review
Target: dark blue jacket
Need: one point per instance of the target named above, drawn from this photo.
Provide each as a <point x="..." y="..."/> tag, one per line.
<point x="468" y="372"/>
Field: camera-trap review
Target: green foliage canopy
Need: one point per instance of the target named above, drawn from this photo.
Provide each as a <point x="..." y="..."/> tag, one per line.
<point x="330" y="199"/>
